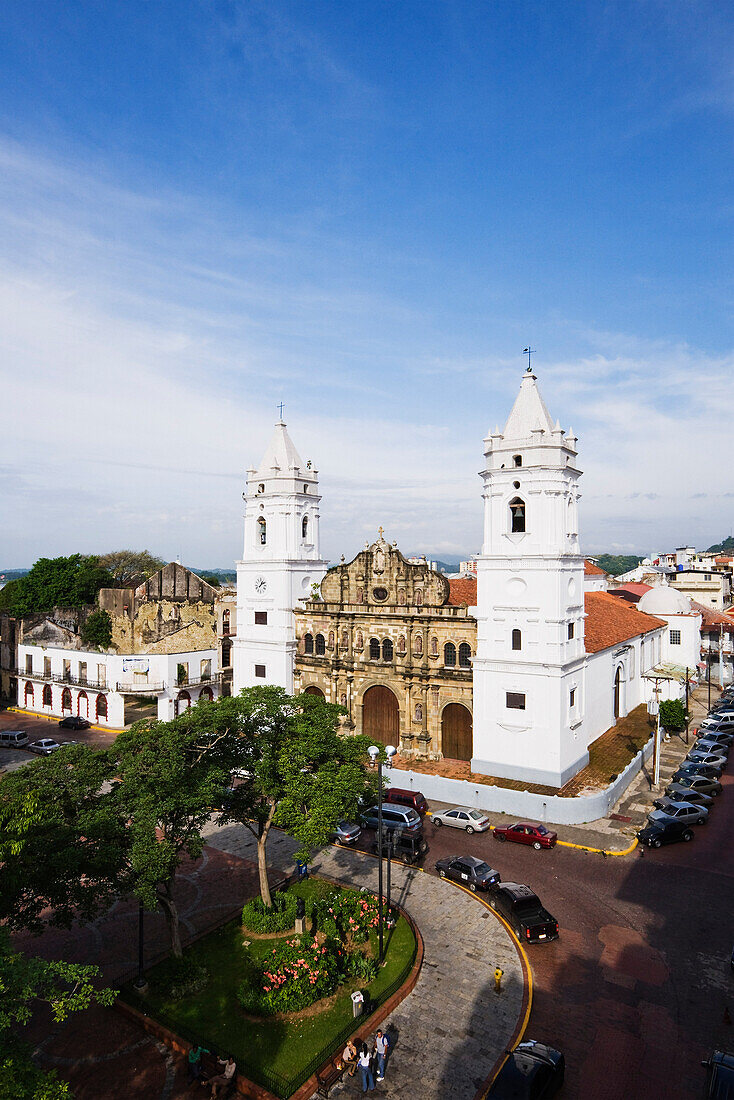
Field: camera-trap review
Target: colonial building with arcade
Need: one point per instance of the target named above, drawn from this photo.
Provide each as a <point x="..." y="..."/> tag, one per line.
<point x="517" y="671"/>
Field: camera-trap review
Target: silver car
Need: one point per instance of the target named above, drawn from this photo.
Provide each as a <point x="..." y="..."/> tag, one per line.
<point x="684" y="812"/>
<point x="471" y="821"/>
<point x="346" y="833"/>
<point x="44" y="747"/>
<point x="700" y="756"/>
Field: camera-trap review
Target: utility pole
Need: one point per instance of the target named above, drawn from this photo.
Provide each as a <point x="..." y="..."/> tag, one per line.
<point x="688" y="719"/>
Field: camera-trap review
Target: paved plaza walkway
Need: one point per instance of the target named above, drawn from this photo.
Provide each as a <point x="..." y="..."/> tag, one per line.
<point x="452" y="1028"/>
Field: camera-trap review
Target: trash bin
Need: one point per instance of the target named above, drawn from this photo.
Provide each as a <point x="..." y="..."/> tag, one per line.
<point x="357" y="1003"/>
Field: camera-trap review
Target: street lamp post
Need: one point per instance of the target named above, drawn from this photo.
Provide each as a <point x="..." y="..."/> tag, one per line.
<point x="376" y="758"/>
<point x="140" y="983"/>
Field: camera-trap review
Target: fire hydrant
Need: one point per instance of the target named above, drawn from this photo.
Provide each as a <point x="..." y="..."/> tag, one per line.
<point x="498" y="979"/>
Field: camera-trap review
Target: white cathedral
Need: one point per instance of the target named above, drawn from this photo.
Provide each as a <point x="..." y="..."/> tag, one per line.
<point x="555" y="662"/>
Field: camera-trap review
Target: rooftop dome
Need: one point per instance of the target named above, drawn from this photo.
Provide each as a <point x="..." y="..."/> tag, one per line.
<point x="664" y="600"/>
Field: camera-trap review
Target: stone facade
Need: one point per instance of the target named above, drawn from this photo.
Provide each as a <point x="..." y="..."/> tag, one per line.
<point x="383" y="622"/>
<point x="172" y="612"/>
<point x="226" y="612"/>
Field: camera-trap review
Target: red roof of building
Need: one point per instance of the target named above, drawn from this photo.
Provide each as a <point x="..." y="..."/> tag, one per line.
<point x="711" y="618"/>
<point x="591" y="570"/>
<point x="610" y="621"/>
<point x="462" y="590"/>
<point x="631" y="592"/>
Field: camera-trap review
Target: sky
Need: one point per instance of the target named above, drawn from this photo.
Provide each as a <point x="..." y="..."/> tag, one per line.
<point x="365" y="210"/>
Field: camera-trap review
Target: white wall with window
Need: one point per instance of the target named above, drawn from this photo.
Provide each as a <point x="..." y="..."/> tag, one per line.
<point x="680" y="644"/>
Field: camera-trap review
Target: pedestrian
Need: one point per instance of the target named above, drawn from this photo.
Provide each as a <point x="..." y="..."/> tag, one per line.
<point x="349" y="1057"/>
<point x="223" y="1079"/>
<point x="195" y="1054"/>
<point x="365" y="1069"/>
<point x="382" y="1045"/>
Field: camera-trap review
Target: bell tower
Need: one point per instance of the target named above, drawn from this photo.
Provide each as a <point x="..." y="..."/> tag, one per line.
<point x="528" y="673"/>
<point x="280" y="563"/>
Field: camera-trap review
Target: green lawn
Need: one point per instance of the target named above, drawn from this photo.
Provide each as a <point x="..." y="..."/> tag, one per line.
<point x="214" y="1018"/>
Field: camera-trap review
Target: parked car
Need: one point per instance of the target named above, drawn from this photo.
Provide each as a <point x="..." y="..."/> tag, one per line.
<point x="44" y="747"/>
<point x="695" y="797"/>
<point x="689" y="767"/>
<point x="468" y="871"/>
<point x="680" y="811"/>
<point x="407" y="848"/>
<point x="719" y="737"/>
<point x="720" y="721"/>
<point x="699" y="756"/>
<point x="719" y="1076"/>
<point x="472" y="821"/>
<point x="532" y="1071"/>
<point x="696" y="783"/>
<point x="525" y="832"/>
<point x="346" y="833"/>
<point x="401" y="797"/>
<point x="704" y="744"/>
<point x="394" y="817"/>
<point x="654" y="835"/>
<point x="522" y="909"/>
<point x="74" y="722"/>
<point x="13" y="739"/>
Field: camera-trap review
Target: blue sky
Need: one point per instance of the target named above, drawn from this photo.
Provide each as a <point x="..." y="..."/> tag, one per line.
<point x="365" y="210"/>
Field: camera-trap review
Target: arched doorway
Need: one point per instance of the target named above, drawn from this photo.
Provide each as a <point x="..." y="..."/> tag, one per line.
<point x="66" y="701"/>
<point x="82" y="705"/>
<point x="183" y="702"/>
<point x="313" y="690"/>
<point x="28" y="693"/>
<point x="456" y="732"/>
<point x="617" y="692"/>
<point x="381" y="716"/>
<point x="206" y="694"/>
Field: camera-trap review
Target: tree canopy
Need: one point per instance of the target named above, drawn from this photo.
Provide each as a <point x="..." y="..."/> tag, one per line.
<point x="97" y="630"/>
<point x="616" y="564"/>
<point x="129" y="568"/>
<point x="58" y="582"/>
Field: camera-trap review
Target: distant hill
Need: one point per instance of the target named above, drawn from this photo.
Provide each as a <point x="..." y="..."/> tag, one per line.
<point x="12" y="574"/>
<point x="615" y="564"/>
<point x="725" y="547"/>
<point x="224" y="576"/>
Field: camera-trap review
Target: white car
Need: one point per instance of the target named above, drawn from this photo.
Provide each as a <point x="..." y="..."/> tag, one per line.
<point x="471" y="821"/>
<point x="44" y="747"/>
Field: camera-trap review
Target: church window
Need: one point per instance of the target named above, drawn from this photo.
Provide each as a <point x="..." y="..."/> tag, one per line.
<point x="387" y="650"/>
<point x="418" y="712"/>
<point x="517" y="639"/>
<point x="261" y="487"/>
<point x="101" y="706"/>
<point x="572" y="697"/>
<point x="305" y="487"/>
<point x="434" y="647"/>
<point x="515" y="700"/>
<point x="47" y="696"/>
<point x="570" y="631"/>
<point x="517" y="515"/>
<point x="304" y="527"/>
<point x="374" y="649"/>
<point x="320" y="645"/>
<point x="261" y="618"/>
<point x="418" y="597"/>
<point x="360" y="640"/>
<point x="226" y="653"/>
<point x="263" y="529"/>
<point x="449" y="654"/>
<point x="401" y="597"/>
<point x="260" y="672"/>
<point x="345" y="639"/>
<point x="401" y="644"/>
<point x="465" y="655"/>
<point x="517" y="460"/>
<point x="331" y="639"/>
<point x="675" y="637"/>
<point x="308" y="643"/>
<point x="380" y="594"/>
<point x="418" y="645"/>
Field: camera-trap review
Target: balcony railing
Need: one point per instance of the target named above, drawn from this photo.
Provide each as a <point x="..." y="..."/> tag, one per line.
<point x="140" y="688"/>
<point x="64" y="678"/>
<point x="202" y="681"/>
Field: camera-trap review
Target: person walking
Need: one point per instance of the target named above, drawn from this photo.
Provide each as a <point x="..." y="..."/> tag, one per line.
<point x="195" y="1054"/>
<point x="382" y="1045"/>
<point x="365" y="1069"/>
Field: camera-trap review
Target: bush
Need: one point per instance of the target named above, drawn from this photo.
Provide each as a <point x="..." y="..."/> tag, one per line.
<point x="347" y="914"/>
<point x="672" y="714"/>
<point x="178" y="978"/>
<point x="258" y="918"/>
<point x="298" y="972"/>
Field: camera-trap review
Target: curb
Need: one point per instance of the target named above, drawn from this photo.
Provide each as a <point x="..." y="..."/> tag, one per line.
<point x="579" y="847"/>
<point x="55" y="718"/>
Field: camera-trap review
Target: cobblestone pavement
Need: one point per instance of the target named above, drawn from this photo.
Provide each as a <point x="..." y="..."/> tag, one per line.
<point x="451" y="1029"/>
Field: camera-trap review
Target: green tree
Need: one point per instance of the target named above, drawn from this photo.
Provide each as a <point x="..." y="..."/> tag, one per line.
<point x="62" y="840"/>
<point x="97" y="630"/>
<point x="24" y="983"/>
<point x="129" y="568"/>
<point x="168" y="784"/>
<point x="7" y="595"/>
<point x="211" y="579"/>
<point x="615" y="564"/>
<point x="59" y="582"/>
<point x="299" y="771"/>
<point x="672" y="714"/>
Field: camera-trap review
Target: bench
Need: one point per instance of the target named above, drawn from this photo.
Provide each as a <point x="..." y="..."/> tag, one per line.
<point x="210" y="1067"/>
<point x="329" y="1076"/>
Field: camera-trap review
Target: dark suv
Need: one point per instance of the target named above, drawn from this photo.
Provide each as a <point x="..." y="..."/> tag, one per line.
<point x="532" y="1070"/>
<point x="719" y="1076"/>
<point x="655" y="835"/>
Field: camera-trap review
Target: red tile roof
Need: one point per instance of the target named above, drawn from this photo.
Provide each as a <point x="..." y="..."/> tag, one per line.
<point x="462" y="590"/>
<point x="710" y="618"/>
<point x="591" y="570"/>
<point x="610" y="621"/>
<point x="631" y="592"/>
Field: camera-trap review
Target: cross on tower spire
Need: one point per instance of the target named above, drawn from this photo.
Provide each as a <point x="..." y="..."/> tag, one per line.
<point x="529" y="351"/>
<point x="280" y="408"/>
